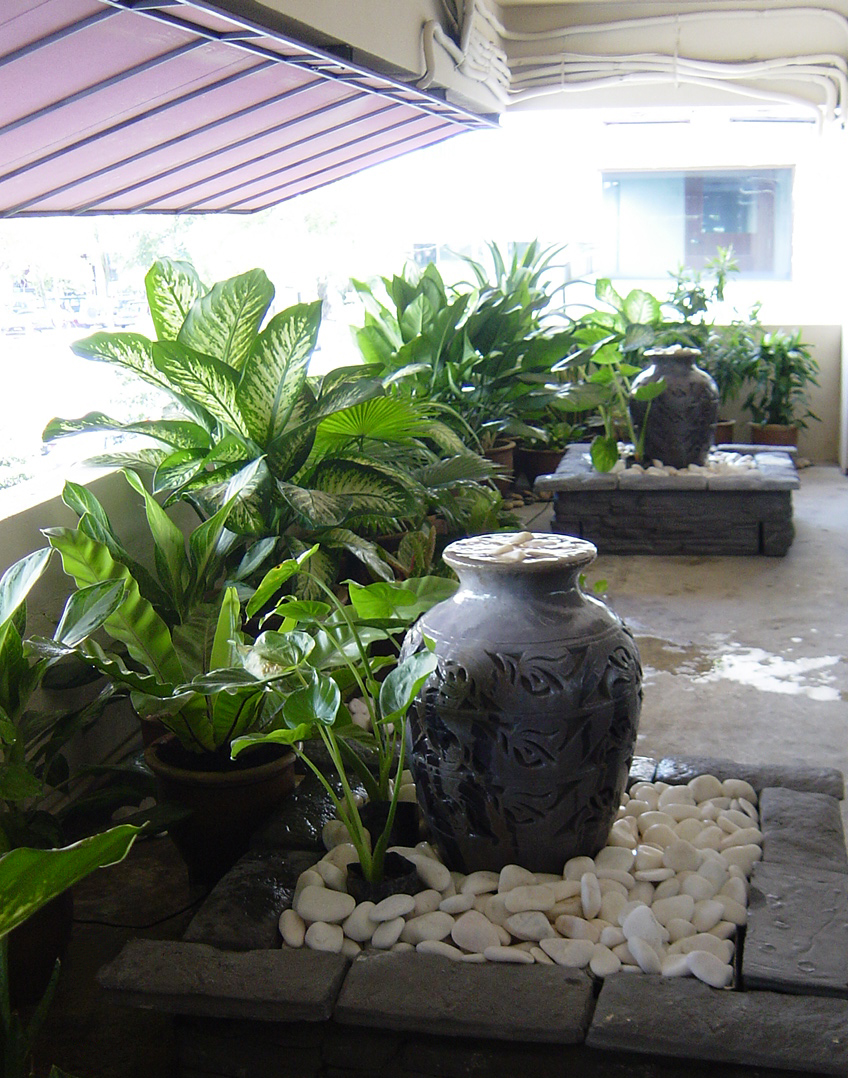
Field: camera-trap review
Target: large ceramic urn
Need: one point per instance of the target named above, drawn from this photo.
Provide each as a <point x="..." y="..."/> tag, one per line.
<point x="680" y="422"/>
<point x="521" y="740"/>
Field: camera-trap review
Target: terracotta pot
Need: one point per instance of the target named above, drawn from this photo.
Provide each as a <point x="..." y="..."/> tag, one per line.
<point x="773" y="434"/>
<point x="521" y="740"/>
<point x="725" y="431"/>
<point x="535" y="462"/>
<point x="503" y="453"/>
<point x="228" y="803"/>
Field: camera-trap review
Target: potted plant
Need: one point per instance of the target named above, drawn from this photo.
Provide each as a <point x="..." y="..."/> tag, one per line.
<point x="172" y="652"/>
<point x="33" y="767"/>
<point x="337" y="457"/>
<point x="30" y="879"/>
<point x="319" y="658"/>
<point x="779" y="396"/>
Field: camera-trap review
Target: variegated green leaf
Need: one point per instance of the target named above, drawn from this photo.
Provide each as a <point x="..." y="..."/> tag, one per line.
<point x="225" y="321"/>
<point x="203" y="378"/>
<point x="228" y="625"/>
<point x="341" y="490"/>
<point x="148" y="586"/>
<point x="86" y="610"/>
<point x="177" y="469"/>
<point x="132" y="351"/>
<point x="169" y="548"/>
<point x="275" y="371"/>
<point x="172" y="288"/>
<point x="362" y="549"/>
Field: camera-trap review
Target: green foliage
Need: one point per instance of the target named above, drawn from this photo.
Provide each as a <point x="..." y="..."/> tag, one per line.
<point x="321" y="655"/>
<point x="32" y="764"/>
<point x="30" y="878"/>
<point x="479" y="350"/>
<point x="781" y="375"/>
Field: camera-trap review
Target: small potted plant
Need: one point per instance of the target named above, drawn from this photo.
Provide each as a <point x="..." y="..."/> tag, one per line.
<point x="780" y="380"/>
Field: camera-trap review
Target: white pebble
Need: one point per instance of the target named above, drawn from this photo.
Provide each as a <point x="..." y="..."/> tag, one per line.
<point x="745" y="836"/>
<point x="431" y="872"/>
<point x="704" y="787"/>
<point x="427" y="902"/>
<point x="640" y="923"/>
<point x="334" y="833"/>
<point x="739" y="788"/>
<point x="321" y="936"/>
<point x="743" y="856"/>
<point x="724" y="930"/>
<point x="611" y="906"/>
<point x="615" y="875"/>
<point x="322" y="904"/>
<point x="710" y="838"/>
<point x="675" y="965"/>
<point x="749" y="809"/>
<point x="667" y="909"/>
<point x="722" y="949"/>
<point x="387" y="933"/>
<point x="578" y="928"/>
<point x="359" y="926"/>
<point x="400" y="947"/>
<point x="495" y="910"/>
<point x="530" y="925"/>
<point x="709" y="969"/>
<point x="512" y="876"/>
<point x="590" y="895"/>
<point x="533" y="897"/>
<point x="563" y="889"/>
<point x="342" y="855"/>
<point x="350" y="948"/>
<point x="603" y="962"/>
<point x="734" y="911"/>
<point x="648" y="857"/>
<point x="334" y="877"/>
<point x="676" y="795"/>
<point x="391" y="907"/>
<point x="458" y="903"/>
<point x="480" y="883"/>
<point x="474" y="932"/>
<point x="621" y="835"/>
<point x="667" y="888"/>
<point x="654" y="875"/>
<point x="689" y="829"/>
<point x="572" y="953"/>
<point x="612" y="936"/>
<point x="698" y="886"/>
<point x="540" y="957"/>
<point x="659" y="834"/>
<point x="736" y="889"/>
<point x="714" y="871"/>
<point x="682" y="813"/>
<point x="681" y="856"/>
<point x="615" y="857"/>
<point x="439" y="947"/>
<point x="646" y="957"/>
<point x="292" y="928"/>
<point x="678" y="929"/>
<point x="429" y="926"/>
<point x="513" y="955"/>
<point x="575" y="868"/>
<point x="707" y="913"/>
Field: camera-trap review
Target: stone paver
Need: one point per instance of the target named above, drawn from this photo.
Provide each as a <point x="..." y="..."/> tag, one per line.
<point x="802" y="830"/>
<point x="820" y="780"/>
<point x="281" y="985"/>
<point x="684" y="1018"/>
<point x="242" y="911"/>
<point x="797" y="934"/>
<point x="426" y="993"/>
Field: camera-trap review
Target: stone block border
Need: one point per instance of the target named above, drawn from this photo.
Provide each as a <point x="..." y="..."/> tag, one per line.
<point x="251" y="1007"/>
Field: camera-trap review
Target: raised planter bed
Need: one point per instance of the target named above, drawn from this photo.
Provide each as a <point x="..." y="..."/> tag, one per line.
<point x="248" y="1006"/>
<point x="687" y="513"/>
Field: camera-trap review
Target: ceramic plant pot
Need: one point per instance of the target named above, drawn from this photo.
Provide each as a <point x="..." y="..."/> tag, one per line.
<point x="521" y="741"/>
<point x="725" y="431"/>
<point x="534" y="462"/>
<point x="228" y="801"/>
<point x="681" y="420"/>
<point x="503" y="453"/>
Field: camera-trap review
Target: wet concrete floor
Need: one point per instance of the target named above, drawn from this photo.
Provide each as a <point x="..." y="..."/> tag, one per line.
<point x="745" y="658"/>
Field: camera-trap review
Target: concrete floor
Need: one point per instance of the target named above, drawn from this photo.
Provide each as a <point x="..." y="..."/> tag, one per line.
<point x="744" y="658"/>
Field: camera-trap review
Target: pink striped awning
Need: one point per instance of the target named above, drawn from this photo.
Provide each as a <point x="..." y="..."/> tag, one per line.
<point x="173" y="106"/>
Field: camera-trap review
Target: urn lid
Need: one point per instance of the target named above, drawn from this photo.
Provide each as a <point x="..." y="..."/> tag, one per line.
<point x="674" y="351"/>
<point x="528" y="551"/>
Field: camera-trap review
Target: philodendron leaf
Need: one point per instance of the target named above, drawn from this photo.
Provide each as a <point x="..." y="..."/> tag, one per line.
<point x="225" y="321"/>
<point x="638" y="336"/>
<point x="275" y="371"/>
<point x="274" y="580"/>
<point x="172" y="288"/>
<point x="640" y="306"/>
<point x="402" y="684"/>
<point x="275" y="654"/>
<point x="317" y="702"/>
<point x="604" y="453"/>
<point x="380" y="600"/>
<point x="29" y="879"/>
<point x="19" y="578"/>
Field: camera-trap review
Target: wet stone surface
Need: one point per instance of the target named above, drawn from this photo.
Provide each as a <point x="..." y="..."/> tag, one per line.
<point x="797" y="936"/>
<point x="802" y="830"/>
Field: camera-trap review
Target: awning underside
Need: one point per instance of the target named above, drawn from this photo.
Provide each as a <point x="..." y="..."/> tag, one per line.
<point x="121" y="106"/>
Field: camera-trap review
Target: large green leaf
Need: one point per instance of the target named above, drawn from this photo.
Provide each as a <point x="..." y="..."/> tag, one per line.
<point x="318" y="701"/>
<point x="203" y="378"/>
<point x="641" y="307"/>
<point x="172" y="288"/>
<point x="29" y="879"/>
<point x="225" y="321"/>
<point x="169" y="547"/>
<point x="363" y="490"/>
<point x="132" y="351"/>
<point x="402" y="684"/>
<point x="135" y="623"/>
<point x="18" y="580"/>
<point x="389" y="419"/>
<point x="86" y="610"/>
<point x="275" y="371"/>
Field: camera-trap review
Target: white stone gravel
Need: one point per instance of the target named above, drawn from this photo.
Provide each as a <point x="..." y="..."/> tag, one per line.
<point x="666" y="895"/>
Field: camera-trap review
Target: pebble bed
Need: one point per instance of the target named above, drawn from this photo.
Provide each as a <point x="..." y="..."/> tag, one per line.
<point x="666" y="895"/>
<point x="719" y="462"/>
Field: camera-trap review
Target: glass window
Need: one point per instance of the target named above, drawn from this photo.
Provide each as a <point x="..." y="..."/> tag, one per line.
<point x="656" y="221"/>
